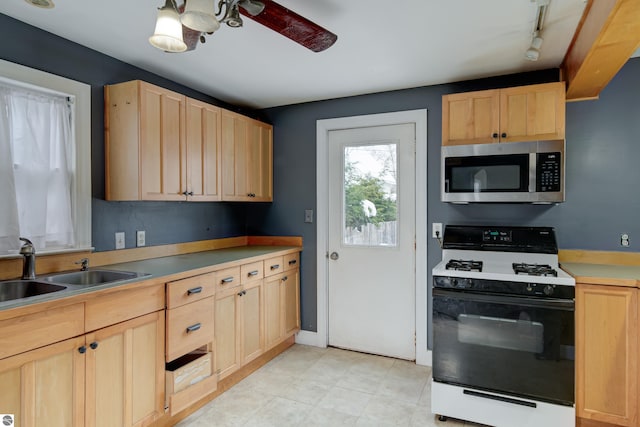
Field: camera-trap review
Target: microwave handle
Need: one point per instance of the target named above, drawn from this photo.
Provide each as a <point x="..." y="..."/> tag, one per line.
<point x="532" y="172"/>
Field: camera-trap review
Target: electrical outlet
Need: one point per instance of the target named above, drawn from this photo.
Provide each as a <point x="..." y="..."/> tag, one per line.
<point x="436" y="230"/>
<point x="140" y="238"/>
<point x="624" y="240"/>
<point x="308" y="215"/>
<point x="120" y="240"/>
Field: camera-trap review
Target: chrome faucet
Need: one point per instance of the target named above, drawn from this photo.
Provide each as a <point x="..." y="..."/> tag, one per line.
<point x="84" y="264"/>
<point x="29" y="265"/>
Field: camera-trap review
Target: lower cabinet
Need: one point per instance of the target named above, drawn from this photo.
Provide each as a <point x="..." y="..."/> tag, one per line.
<point x="282" y="306"/>
<point x="239" y="327"/>
<point x="607" y="354"/>
<point x="110" y="377"/>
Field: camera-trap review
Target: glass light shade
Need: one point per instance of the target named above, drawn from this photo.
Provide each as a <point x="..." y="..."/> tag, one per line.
<point x="199" y="15"/>
<point x="168" y="33"/>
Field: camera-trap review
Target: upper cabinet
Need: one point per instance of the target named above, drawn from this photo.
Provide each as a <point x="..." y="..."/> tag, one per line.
<point x="161" y="145"/>
<point x="247" y="153"/>
<point x="525" y="113"/>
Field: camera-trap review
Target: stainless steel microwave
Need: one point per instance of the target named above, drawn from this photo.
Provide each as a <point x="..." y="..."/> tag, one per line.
<point x="511" y="172"/>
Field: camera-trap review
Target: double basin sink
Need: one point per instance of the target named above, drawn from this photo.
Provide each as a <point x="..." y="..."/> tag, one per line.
<point x="20" y="289"/>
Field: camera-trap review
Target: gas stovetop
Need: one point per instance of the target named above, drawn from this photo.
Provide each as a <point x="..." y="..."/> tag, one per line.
<point x="517" y="254"/>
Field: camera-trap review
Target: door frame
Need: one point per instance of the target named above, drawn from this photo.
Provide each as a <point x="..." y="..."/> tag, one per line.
<point x="419" y="119"/>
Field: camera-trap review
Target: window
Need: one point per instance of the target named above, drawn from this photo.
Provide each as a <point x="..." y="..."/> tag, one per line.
<point x="44" y="161"/>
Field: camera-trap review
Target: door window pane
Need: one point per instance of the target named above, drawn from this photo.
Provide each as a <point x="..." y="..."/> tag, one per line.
<point x="370" y="195"/>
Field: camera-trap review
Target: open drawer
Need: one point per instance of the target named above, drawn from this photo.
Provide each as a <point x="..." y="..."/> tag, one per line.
<point x="189" y="379"/>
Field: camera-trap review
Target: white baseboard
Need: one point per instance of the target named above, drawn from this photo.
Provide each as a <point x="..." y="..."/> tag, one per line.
<point x="310" y="338"/>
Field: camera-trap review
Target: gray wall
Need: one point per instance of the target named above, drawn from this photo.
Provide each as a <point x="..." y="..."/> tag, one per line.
<point x="602" y="179"/>
<point x="164" y="222"/>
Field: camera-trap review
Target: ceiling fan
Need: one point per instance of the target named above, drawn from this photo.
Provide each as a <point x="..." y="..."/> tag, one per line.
<point x="180" y="28"/>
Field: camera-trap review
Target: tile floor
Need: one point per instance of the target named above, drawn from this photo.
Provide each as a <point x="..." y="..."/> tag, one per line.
<point x="310" y="386"/>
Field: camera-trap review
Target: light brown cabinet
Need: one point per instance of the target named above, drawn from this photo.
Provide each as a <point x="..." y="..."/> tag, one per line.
<point x="282" y="309"/>
<point x="110" y="377"/>
<point x="160" y="145"/>
<point x="247" y="165"/>
<point x="524" y="113"/>
<point x="239" y="320"/>
<point x="607" y="354"/>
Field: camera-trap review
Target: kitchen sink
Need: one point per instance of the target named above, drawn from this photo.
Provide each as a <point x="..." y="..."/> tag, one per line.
<point x="92" y="277"/>
<point x="17" y="289"/>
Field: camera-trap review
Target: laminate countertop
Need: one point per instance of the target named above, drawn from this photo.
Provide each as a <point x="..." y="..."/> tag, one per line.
<point x="604" y="274"/>
<point x="165" y="269"/>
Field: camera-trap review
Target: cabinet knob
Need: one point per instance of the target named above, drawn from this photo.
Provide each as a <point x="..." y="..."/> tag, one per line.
<point x="495" y="135"/>
<point x="82" y="350"/>
<point x="184" y="193"/>
<point x="285" y="278"/>
<point x="190" y="193"/>
<point x="239" y="294"/>
<point x="93" y="345"/>
<point x="504" y="135"/>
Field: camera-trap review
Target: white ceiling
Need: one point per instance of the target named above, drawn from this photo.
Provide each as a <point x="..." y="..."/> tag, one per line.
<point x="382" y="45"/>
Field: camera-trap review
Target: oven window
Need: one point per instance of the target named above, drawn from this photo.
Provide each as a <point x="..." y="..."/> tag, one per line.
<point x="516" y="347"/>
<point x="481" y="174"/>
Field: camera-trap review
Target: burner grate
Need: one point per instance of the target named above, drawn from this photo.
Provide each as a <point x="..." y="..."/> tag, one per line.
<point x="464" y="265"/>
<point x="534" y="269"/>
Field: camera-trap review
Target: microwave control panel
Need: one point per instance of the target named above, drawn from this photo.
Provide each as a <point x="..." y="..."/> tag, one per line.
<point x="548" y="172"/>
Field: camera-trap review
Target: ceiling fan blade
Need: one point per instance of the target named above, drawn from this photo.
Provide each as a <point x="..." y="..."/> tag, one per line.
<point x="295" y="27"/>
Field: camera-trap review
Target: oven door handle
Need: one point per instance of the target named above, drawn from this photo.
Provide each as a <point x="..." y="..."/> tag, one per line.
<point x="556" y="304"/>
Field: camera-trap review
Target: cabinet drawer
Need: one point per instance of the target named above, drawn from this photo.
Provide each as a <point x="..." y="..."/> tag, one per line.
<point x="35" y="330"/>
<point x="190" y="290"/>
<point x="292" y="261"/>
<point x="188" y="370"/>
<point x="273" y="266"/>
<point x="189" y="327"/>
<point x="228" y="278"/>
<point x="252" y="272"/>
<point x="105" y="310"/>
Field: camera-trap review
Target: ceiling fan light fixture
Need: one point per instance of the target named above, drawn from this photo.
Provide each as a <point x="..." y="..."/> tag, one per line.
<point x="253" y="7"/>
<point x="233" y="18"/>
<point x="168" y="33"/>
<point x="200" y="15"/>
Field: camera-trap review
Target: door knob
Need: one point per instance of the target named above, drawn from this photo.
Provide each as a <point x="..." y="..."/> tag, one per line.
<point x="334" y="256"/>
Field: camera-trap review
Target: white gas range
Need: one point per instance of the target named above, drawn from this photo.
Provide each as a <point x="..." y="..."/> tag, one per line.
<point x="503" y="318"/>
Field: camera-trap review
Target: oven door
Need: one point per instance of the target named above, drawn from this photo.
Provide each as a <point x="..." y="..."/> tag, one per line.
<point x="514" y="345"/>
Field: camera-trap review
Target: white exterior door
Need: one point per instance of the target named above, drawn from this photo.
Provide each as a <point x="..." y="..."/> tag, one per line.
<point x="371" y="240"/>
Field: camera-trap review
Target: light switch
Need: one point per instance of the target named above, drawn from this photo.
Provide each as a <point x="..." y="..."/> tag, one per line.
<point x="308" y="215"/>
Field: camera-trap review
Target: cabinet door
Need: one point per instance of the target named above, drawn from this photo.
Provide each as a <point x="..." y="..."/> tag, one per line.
<point x="227" y="332"/>
<point x="530" y="113"/>
<point x="471" y="117"/>
<point x="291" y="301"/>
<point x="162" y="151"/>
<point x="252" y="341"/>
<point x="45" y="387"/>
<point x="259" y="162"/>
<point x="273" y="318"/>
<point x="203" y="151"/>
<point x="125" y="373"/>
<point x="234" y="137"/>
<point x="607" y="354"/>
<point x="247" y="158"/>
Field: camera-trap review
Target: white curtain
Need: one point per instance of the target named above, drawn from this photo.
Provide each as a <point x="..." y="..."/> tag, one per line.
<point x="35" y="158"/>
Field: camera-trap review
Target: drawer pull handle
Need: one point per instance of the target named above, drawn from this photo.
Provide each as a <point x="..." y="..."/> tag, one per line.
<point x="227" y="280"/>
<point x="293" y="262"/>
<point x="275" y="266"/>
<point x="253" y="273"/>
<point x="196" y="290"/>
<point x="193" y="328"/>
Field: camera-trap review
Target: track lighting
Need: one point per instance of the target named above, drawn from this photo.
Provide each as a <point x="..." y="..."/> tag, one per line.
<point x="533" y="53"/>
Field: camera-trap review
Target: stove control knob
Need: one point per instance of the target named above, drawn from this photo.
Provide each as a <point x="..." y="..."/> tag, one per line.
<point x="454" y="282"/>
<point x="548" y="290"/>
